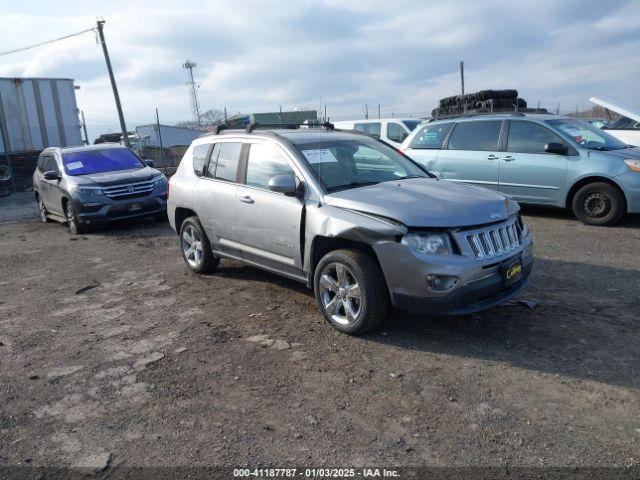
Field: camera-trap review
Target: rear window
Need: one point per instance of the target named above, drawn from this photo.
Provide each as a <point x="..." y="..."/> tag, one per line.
<point x="482" y="136"/>
<point x="99" y="161"/>
<point x="431" y="136"/>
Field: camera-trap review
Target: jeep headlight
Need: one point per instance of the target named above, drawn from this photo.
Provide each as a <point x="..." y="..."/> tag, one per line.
<point x="428" y="243"/>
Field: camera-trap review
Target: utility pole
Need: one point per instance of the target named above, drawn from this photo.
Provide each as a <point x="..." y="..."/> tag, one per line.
<point x="164" y="162"/>
<point x="379" y="117"/>
<point x="462" y="76"/>
<point x="123" y="127"/>
<point x="366" y="111"/>
<point x="84" y="127"/>
<point x="193" y="92"/>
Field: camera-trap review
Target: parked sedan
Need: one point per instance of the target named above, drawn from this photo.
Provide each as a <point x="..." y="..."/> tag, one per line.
<point x="96" y="184"/>
<point x="535" y="159"/>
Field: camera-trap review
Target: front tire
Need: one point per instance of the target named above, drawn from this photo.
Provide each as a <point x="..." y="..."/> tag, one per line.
<point x="350" y="291"/>
<point x="599" y="204"/>
<point x="195" y="247"/>
<point x="44" y="218"/>
<point x="72" y="219"/>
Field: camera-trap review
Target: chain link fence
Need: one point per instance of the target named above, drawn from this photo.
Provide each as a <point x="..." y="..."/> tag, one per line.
<point x="16" y="171"/>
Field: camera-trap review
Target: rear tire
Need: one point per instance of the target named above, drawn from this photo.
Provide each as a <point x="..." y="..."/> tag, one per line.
<point x="350" y="291"/>
<point x="599" y="204"/>
<point x="72" y="219"/>
<point x="195" y="247"/>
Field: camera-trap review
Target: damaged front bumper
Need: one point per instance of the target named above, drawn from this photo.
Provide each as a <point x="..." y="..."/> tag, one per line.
<point x="479" y="285"/>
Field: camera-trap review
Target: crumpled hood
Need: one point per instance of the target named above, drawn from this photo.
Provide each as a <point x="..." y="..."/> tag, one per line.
<point x="423" y="202"/>
<point x="107" y="179"/>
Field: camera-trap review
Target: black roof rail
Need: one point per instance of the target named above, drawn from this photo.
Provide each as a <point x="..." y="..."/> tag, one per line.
<point x="290" y="126"/>
<point x="520" y="113"/>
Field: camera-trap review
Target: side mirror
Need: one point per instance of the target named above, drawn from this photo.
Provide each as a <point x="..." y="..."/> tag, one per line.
<point x="556" y="148"/>
<point x="149" y="163"/>
<point x="51" y="175"/>
<point x="283" y="184"/>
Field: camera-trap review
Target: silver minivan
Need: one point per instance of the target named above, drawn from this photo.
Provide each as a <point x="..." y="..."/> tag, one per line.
<point x="355" y="220"/>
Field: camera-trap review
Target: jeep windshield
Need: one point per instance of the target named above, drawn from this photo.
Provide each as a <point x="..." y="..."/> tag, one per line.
<point x="587" y="135"/>
<point x="87" y="162"/>
<point x="342" y="164"/>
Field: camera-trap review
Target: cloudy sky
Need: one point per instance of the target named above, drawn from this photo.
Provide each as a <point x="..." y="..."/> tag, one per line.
<point x="256" y="55"/>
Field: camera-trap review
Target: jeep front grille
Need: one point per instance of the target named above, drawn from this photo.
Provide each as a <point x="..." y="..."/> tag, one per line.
<point x="130" y="190"/>
<point x="494" y="241"/>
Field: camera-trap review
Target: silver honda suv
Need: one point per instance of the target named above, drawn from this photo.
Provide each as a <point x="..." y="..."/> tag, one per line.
<point x="96" y="184"/>
<point x="354" y="219"/>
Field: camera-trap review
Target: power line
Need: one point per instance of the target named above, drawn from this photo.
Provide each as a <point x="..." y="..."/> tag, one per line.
<point x="22" y="49"/>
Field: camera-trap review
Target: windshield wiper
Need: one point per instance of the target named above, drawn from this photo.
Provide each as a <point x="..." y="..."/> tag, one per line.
<point x="351" y="185"/>
<point x="407" y="177"/>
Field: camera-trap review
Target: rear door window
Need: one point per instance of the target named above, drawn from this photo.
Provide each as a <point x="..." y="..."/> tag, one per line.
<point x="431" y="136"/>
<point x="480" y="136"/>
<point x="211" y="167"/>
<point x="529" y="137"/>
<point x="228" y="161"/>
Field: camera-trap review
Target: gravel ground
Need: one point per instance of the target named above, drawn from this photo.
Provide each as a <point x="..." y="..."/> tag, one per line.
<point x="112" y="353"/>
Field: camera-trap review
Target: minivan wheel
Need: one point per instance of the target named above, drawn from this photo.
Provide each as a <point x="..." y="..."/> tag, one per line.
<point x="43" y="210"/>
<point x="195" y="247"/>
<point x="72" y="220"/>
<point x="598" y="203"/>
<point x="350" y="291"/>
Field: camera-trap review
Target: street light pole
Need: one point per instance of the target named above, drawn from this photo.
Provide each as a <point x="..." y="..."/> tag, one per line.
<point x="123" y="127"/>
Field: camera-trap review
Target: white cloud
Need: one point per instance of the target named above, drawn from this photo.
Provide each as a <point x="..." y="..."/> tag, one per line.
<point x="257" y="55"/>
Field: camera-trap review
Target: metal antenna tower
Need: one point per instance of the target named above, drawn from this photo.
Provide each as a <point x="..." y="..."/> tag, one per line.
<point x="193" y="91"/>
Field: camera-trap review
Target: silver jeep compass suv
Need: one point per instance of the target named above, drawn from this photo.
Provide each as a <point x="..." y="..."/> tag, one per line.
<point x="352" y="218"/>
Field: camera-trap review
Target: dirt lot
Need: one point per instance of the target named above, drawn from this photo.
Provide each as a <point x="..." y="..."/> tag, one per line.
<point x="156" y="366"/>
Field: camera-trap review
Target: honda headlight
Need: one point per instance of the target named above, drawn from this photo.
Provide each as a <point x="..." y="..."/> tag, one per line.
<point x="159" y="181"/>
<point x="428" y="243"/>
<point x="89" y="191"/>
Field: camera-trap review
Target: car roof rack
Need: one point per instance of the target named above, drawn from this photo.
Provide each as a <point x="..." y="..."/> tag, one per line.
<point x="520" y="113"/>
<point x="288" y="126"/>
<point x="271" y="126"/>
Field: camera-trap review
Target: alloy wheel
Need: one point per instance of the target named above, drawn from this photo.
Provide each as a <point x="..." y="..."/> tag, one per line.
<point x="340" y="293"/>
<point x="71" y="219"/>
<point x="43" y="210"/>
<point x="192" y="246"/>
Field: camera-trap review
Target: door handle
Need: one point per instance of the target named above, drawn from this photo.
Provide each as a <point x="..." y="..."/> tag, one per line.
<point x="509" y="158"/>
<point x="492" y="157"/>
<point x="246" y="199"/>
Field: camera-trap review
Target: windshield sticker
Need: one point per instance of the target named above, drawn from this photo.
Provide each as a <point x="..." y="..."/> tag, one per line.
<point x="322" y="155"/>
<point x="74" y="165"/>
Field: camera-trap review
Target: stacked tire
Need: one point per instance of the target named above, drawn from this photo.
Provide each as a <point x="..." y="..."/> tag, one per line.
<point x="480" y="102"/>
